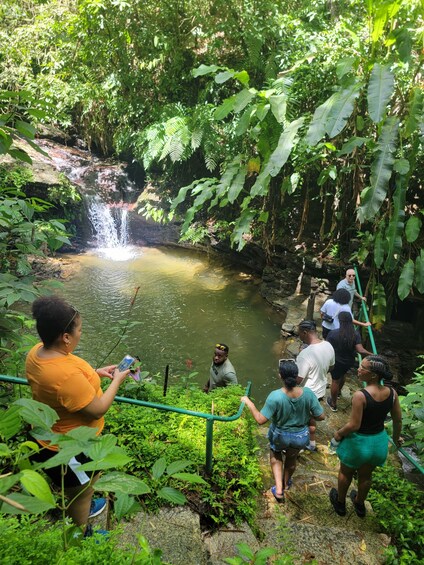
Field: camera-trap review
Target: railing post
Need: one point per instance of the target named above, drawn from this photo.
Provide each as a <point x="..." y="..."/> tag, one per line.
<point x="209" y="445"/>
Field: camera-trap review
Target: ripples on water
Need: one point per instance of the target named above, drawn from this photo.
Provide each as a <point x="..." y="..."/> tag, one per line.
<point x="185" y="305"/>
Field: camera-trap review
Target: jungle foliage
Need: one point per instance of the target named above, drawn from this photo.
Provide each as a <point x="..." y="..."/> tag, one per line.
<point x="257" y="121"/>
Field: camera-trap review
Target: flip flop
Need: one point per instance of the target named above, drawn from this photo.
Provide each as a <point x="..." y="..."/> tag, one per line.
<point x="279" y="499"/>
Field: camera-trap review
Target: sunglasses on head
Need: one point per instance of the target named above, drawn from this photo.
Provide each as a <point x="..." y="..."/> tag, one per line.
<point x="285" y="360"/>
<point x="220" y="347"/>
<point x="71" y="320"/>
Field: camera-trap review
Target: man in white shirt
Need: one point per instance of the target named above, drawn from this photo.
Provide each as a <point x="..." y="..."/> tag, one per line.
<point x="348" y="283"/>
<point x="314" y="362"/>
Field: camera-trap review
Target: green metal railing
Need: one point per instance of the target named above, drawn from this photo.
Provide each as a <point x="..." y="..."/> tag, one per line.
<point x="374" y="350"/>
<point x="210" y="418"/>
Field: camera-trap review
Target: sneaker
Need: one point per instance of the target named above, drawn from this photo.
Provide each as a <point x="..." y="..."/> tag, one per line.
<point x="359" y="508"/>
<point x="310" y="447"/>
<point x="97" y="507"/>
<point x="339" y="507"/>
<point x="89" y="532"/>
<point x="279" y="499"/>
<point x="330" y="404"/>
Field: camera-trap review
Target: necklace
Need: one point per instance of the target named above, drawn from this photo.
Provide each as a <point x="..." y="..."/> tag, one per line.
<point x="47" y="350"/>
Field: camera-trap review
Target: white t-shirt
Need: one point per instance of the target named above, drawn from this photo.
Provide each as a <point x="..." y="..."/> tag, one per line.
<point x="313" y="363"/>
<point x="333" y="309"/>
<point x="350" y="287"/>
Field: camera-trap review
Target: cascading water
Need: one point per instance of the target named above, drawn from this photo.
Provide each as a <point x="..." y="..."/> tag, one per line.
<point x="110" y="227"/>
<point x="104" y="187"/>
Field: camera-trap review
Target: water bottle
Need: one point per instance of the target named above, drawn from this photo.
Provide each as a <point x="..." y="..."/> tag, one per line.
<point x="332" y="447"/>
<point x="126" y="363"/>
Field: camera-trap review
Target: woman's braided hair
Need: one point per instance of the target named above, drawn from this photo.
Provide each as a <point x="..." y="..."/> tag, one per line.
<point x="380" y="367"/>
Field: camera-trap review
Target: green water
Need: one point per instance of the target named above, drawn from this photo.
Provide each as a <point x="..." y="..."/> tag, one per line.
<point x="185" y="305"/>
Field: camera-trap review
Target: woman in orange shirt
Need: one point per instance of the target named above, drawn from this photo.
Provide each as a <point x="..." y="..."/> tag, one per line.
<point x="69" y="385"/>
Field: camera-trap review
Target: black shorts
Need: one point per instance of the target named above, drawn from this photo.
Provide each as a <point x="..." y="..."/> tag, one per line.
<point x="72" y="477"/>
<point x="339" y="370"/>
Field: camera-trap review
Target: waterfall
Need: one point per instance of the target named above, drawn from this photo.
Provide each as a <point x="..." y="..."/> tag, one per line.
<point x="110" y="227"/>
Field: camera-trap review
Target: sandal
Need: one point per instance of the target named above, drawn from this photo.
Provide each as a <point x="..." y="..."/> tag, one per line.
<point x="279" y="499"/>
<point x="339" y="507"/>
<point x="359" y="508"/>
<point x="289" y="484"/>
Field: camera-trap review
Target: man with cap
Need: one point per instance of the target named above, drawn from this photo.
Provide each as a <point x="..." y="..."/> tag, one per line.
<point x="222" y="372"/>
<point x="314" y="362"/>
<point x="348" y="283"/>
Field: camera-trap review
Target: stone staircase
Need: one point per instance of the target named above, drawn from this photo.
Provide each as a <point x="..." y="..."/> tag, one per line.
<point x="305" y="525"/>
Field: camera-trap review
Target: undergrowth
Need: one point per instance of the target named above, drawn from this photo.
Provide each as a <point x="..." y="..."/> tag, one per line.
<point x="398" y="505"/>
<point x="148" y="434"/>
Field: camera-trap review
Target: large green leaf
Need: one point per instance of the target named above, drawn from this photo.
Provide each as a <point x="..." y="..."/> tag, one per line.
<point x="378" y="306"/>
<point x="242" y="99"/>
<point x="37" y="413"/>
<point x="242" y="227"/>
<point x="177" y="466"/>
<point x="189" y="478"/>
<point x="125" y="504"/>
<point x="381" y="171"/>
<point x="419" y="272"/>
<point x="415" y="112"/>
<point x="278" y="106"/>
<point x="225" y="108"/>
<point x="395" y="229"/>
<point x="278" y="157"/>
<point x="118" y="458"/>
<point x="352" y="144"/>
<point x="158" y="468"/>
<point x="413" y="228"/>
<point x="31" y="505"/>
<point x="341" y="109"/>
<point x="121" y="483"/>
<point x="379" y="249"/>
<point x="380" y="90"/>
<point x="316" y="130"/>
<point x="204" y="70"/>
<point x="406" y="279"/>
<point x="37" y="485"/>
<point x="237" y="185"/>
<point x="10" y="422"/>
<point x="172" y="495"/>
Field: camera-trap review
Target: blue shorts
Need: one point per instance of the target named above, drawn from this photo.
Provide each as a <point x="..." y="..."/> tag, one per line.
<point x="282" y="439"/>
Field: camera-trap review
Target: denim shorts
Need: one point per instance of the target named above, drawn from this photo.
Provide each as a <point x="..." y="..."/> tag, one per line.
<point x="282" y="439"/>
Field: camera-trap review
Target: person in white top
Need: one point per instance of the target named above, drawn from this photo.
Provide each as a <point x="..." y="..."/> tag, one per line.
<point x="314" y="362"/>
<point x="348" y="283"/>
<point x="331" y="309"/>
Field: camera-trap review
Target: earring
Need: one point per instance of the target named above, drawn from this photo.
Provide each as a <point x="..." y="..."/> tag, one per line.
<point x="67" y="344"/>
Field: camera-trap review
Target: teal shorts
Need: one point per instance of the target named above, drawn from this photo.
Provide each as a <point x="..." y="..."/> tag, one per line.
<point x="356" y="450"/>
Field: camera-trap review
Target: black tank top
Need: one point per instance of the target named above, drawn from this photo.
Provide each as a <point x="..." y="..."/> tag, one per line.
<point x="375" y="413"/>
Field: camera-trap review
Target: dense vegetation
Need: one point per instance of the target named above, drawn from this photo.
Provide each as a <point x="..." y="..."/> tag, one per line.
<point x="259" y="121"/>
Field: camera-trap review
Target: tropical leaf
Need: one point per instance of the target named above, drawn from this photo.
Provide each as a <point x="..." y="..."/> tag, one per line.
<point x="380" y="90"/>
<point x="406" y="279"/>
<point x="242" y="99"/>
<point x="158" y="468"/>
<point x="379" y="249"/>
<point x="237" y="185"/>
<point x="189" y="478"/>
<point x="25" y="504"/>
<point x="121" y="483"/>
<point x="177" y="466"/>
<point x="344" y="66"/>
<point x="222" y="77"/>
<point x="10" y="422"/>
<point x="341" y="110"/>
<point x="316" y="130"/>
<point x="413" y="228"/>
<point x="225" y="108"/>
<point x="278" y="157"/>
<point x="381" y="171"/>
<point x="204" y="70"/>
<point x="415" y="112"/>
<point x="36" y="413"/>
<point x="378" y="306"/>
<point x="395" y="229"/>
<point x="278" y="106"/>
<point x="352" y="144"/>
<point x="242" y="227"/>
<point x="419" y="272"/>
<point x="37" y="485"/>
<point x="125" y="504"/>
<point x="172" y="495"/>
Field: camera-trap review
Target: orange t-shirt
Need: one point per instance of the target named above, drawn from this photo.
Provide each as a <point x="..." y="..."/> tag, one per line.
<point x="67" y="384"/>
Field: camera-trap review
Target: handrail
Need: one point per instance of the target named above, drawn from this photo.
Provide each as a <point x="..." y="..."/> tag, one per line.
<point x="374" y="349"/>
<point x="210" y="418"/>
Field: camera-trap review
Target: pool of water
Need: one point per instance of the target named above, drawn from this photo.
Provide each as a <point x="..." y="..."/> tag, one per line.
<point x="185" y="304"/>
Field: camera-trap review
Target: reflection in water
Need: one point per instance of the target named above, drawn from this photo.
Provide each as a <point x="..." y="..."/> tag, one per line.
<point x="185" y="305"/>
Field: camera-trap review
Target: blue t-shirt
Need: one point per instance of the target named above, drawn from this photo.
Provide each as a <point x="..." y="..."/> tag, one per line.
<point x="291" y="414"/>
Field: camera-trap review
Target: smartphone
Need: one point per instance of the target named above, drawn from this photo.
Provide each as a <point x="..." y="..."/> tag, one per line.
<point x="126" y="363"/>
